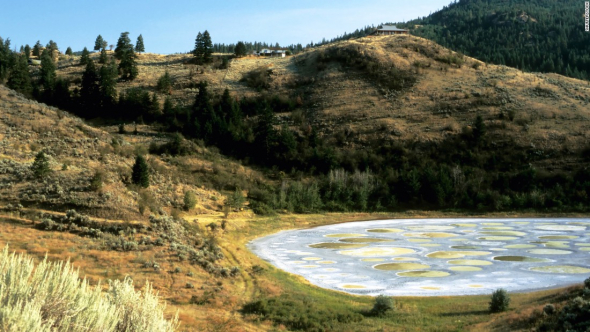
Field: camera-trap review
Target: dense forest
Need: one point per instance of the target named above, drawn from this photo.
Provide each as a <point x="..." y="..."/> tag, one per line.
<point x="532" y="35"/>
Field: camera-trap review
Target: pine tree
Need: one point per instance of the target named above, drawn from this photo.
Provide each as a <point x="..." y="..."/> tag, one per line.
<point x="139" y="47"/>
<point x="52" y="47"/>
<point x="140" y="175"/>
<point x="90" y="90"/>
<point x="123" y="46"/>
<point x="85" y="57"/>
<point x="40" y="167"/>
<point x="240" y="49"/>
<point x="107" y="85"/>
<point x="27" y="51"/>
<point x="100" y="43"/>
<point x="103" y="57"/>
<point x="20" y="79"/>
<point x="47" y="72"/>
<point x="199" y="48"/>
<point x="207" y="47"/>
<point x="37" y="49"/>
<point x="124" y="52"/>
<point x="68" y="51"/>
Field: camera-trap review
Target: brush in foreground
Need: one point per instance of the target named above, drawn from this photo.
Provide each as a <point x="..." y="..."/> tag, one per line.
<point x="51" y="297"/>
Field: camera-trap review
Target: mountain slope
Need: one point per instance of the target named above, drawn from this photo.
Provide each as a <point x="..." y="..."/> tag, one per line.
<point x="539" y="35"/>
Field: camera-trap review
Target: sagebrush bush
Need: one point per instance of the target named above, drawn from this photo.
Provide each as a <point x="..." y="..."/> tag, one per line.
<point x="190" y="200"/>
<point x="383" y="305"/>
<point x="500" y="301"/>
<point x="51" y="297"/>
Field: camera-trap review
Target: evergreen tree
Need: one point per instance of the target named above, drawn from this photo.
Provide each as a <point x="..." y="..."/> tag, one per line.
<point x="207" y="47"/>
<point x="37" y="49"/>
<point x="68" y="51"/>
<point x="108" y="85"/>
<point x="199" y="50"/>
<point x="123" y="46"/>
<point x="47" y="73"/>
<point x="103" y="59"/>
<point x="85" y="58"/>
<point x="124" y="52"/>
<point x="40" y="167"/>
<point x="100" y="43"/>
<point x="203" y="114"/>
<point x="240" y="49"/>
<point x="6" y="58"/>
<point x="479" y="129"/>
<point x="27" y="51"/>
<point x="52" y="47"/>
<point x="20" y="79"/>
<point x="90" y="90"/>
<point x="164" y="84"/>
<point x="140" y="175"/>
<point x="139" y="47"/>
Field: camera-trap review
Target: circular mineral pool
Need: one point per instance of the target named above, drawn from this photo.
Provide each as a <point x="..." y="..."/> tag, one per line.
<point x="466" y="247"/>
<point x="424" y="274"/>
<point x="377" y="252"/>
<point x="562" y="269"/>
<point x="353" y="287"/>
<point x="561" y="228"/>
<point x="558" y="237"/>
<point x="456" y="254"/>
<point x="365" y="240"/>
<point x="336" y="245"/>
<point x="469" y="262"/>
<point x="521" y="259"/>
<point x="385" y="230"/>
<point x="549" y="252"/>
<point x="520" y="246"/>
<point x="401" y="266"/>
<point x="498" y="238"/>
<point x="504" y="233"/>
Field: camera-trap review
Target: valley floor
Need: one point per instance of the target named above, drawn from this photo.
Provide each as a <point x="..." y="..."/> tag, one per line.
<point x="213" y="303"/>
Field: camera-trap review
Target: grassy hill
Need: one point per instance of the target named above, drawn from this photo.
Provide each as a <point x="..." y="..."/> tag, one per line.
<point x="392" y="116"/>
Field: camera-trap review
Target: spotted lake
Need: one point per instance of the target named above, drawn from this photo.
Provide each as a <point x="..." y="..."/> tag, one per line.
<point x="434" y="256"/>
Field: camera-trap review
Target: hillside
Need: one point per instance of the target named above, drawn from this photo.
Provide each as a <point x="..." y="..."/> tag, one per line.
<point x="538" y="36"/>
<point x="411" y="113"/>
<point x="377" y="126"/>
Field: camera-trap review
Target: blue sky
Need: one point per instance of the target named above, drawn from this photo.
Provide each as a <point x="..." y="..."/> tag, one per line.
<point x="171" y="26"/>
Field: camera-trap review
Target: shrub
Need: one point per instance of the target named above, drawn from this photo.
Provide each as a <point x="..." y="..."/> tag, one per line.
<point x="500" y="301"/>
<point x="51" y="297"/>
<point x="383" y="304"/>
<point x="97" y="180"/>
<point x="190" y="200"/>
<point x="164" y="84"/>
<point x="140" y="175"/>
<point x="259" y="78"/>
<point x="40" y="167"/>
